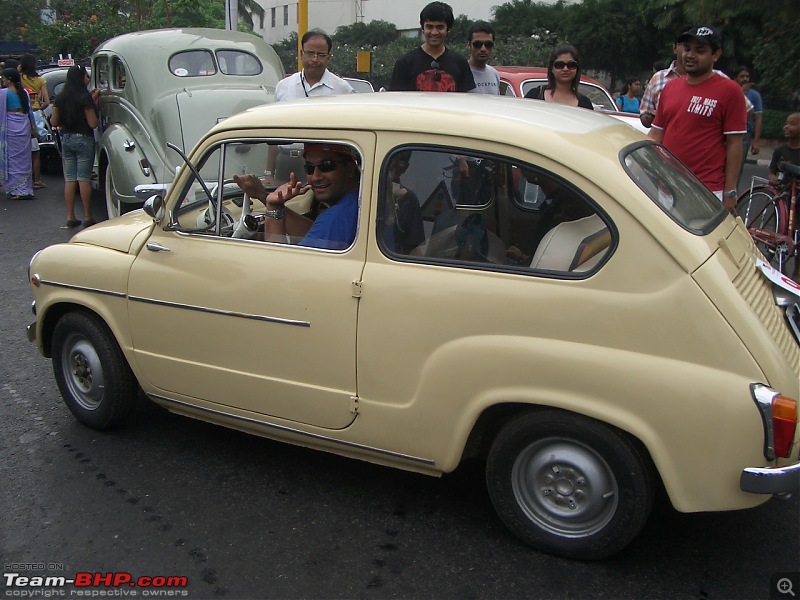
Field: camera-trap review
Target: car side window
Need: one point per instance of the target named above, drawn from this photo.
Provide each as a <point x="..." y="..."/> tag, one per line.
<point x="444" y="206"/>
<point x="215" y="205"/>
<point x="118" y="74"/>
<point x="101" y="69"/>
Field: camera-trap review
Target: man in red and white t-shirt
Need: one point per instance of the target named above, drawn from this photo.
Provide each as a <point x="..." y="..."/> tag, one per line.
<point x="701" y="118"/>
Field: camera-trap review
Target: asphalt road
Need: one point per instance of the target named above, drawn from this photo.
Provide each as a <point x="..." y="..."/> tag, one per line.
<point x="243" y="517"/>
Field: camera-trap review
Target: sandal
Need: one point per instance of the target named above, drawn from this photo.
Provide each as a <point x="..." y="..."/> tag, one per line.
<point x="71" y="223"/>
<point x="38" y="185"/>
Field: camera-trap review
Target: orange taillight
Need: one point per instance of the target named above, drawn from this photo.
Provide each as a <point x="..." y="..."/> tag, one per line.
<point x="784" y="422"/>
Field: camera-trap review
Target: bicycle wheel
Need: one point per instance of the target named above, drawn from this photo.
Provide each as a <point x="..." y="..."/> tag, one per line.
<point x="764" y="216"/>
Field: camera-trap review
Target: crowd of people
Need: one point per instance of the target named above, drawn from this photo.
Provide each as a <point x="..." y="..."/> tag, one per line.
<point x="23" y="100"/>
<point x="712" y="123"/>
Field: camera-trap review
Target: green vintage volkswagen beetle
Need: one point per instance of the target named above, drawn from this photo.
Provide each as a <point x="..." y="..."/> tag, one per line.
<point x="171" y="86"/>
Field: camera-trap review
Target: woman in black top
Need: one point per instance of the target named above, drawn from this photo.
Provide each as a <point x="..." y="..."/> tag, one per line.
<point x="563" y="77"/>
<point x="75" y="116"/>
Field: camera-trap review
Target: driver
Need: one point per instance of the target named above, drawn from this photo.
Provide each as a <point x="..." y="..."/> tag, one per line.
<point x="333" y="176"/>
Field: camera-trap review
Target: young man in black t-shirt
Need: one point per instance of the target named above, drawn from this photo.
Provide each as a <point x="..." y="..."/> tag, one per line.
<point x="432" y="67"/>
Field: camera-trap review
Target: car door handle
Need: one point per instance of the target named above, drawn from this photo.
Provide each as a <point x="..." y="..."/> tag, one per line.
<point x="153" y="247"/>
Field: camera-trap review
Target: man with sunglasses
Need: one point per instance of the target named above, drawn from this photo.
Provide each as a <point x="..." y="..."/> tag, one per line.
<point x="313" y="80"/>
<point x="480" y="43"/>
<point x="333" y="176"/>
<point x="431" y="67"/>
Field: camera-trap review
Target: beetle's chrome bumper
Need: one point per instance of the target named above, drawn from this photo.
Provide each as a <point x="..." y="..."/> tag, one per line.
<point x="771" y="480"/>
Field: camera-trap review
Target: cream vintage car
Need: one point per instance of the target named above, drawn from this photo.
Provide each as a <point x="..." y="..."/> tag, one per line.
<point x="532" y="284"/>
<point x="170" y="86"/>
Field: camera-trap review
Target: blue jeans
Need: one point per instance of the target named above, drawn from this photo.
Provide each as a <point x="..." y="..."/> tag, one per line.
<point x="77" y="155"/>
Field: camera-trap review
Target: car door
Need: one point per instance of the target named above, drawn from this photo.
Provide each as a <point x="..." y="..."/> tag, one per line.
<point x="244" y="326"/>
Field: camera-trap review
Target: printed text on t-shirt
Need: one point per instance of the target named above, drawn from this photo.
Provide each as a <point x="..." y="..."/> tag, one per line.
<point x="702" y="106"/>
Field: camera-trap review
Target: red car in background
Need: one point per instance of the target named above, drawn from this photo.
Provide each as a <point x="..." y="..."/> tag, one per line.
<point x="518" y="81"/>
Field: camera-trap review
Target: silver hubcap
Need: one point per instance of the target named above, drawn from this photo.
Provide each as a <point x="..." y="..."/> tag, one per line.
<point x="565" y="487"/>
<point x="83" y="372"/>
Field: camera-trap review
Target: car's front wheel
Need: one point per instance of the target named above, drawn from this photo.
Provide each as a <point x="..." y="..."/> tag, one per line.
<point x="92" y="374"/>
<point x="569" y="485"/>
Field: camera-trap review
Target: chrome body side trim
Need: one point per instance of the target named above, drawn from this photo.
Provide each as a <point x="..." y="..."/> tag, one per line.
<point x="291" y="430"/>
<point x="216" y="311"/>
<point x="83" y="289"/>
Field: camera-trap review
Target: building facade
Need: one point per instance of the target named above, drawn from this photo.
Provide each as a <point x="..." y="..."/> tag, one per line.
<point x="280" y="18"/>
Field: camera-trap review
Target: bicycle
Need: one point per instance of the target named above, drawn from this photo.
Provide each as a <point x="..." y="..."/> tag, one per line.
<point x="770" y="214"/>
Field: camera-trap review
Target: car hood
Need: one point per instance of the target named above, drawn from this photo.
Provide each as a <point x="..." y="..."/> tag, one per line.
<point x="124" y="234"/>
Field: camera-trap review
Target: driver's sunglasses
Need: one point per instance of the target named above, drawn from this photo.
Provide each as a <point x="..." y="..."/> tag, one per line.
<point x="436" y="75"/>
<point x="324" y="166"/>
<point x="480" y="44"/>
<point x="570" y="64"/>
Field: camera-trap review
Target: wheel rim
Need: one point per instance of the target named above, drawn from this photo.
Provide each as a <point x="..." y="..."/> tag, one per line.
<point x="112" y="202"/>
<point x="565" y="487"/>
<point x="83" y="372"/>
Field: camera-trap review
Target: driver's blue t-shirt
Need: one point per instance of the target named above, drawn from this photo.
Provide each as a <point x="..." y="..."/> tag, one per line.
<point x="335" y="229"/>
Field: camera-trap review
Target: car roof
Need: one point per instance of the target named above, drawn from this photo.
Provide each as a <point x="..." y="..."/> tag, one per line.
<point x="560" y="132"/>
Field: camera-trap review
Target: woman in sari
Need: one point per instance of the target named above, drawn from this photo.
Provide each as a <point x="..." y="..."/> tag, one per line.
<point x="16" y="128"/>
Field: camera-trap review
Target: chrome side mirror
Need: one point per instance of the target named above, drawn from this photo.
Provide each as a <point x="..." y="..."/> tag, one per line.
<point x="155" y="208"/>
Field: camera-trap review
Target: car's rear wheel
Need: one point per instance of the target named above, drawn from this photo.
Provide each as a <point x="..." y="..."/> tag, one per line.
<point x="92" y="374"/>
<point x="569" y="485"/>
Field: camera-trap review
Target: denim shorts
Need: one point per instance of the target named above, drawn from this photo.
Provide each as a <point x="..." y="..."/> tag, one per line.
<point x="77" y="154"/>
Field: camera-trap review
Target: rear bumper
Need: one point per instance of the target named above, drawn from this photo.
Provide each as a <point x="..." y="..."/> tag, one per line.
<point x="771" y="480"/>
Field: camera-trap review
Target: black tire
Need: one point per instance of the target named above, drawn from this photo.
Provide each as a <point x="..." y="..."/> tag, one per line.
<point x="92" y="374"/>
<point x="569" y="485"/>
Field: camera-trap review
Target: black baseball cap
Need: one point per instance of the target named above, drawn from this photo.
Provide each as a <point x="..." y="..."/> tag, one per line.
<point x="702" y="33"/>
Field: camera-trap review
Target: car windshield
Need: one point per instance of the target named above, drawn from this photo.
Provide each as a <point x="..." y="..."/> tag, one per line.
<point x="200" y="63"/>
<point x="674" y="188"/>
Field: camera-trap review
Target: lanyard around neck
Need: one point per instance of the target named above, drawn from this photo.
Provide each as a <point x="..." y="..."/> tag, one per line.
<point x="303" y="83"/>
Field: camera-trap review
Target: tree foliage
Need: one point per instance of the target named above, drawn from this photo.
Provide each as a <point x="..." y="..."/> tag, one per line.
<point x="366" y="35"/>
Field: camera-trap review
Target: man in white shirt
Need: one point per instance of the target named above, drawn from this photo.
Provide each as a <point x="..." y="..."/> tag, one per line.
<point x="314" y="80"/>
<point x="480" y="43"/>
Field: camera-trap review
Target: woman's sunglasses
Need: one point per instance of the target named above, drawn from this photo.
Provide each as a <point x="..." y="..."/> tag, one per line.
<point x="324" y="166"/>
<point x="570" y="64"/>
<point x="480" y="43"/>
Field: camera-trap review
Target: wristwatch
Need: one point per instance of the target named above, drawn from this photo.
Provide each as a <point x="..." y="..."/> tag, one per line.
<point x="730" y="194"/>
<point x="278" y="214"/>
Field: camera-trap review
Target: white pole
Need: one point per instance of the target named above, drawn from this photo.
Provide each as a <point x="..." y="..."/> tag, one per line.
<point x="231" y="15"/>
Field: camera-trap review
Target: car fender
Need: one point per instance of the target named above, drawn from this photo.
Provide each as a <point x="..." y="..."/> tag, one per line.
<point x="617" y="387"/>
<point x="129" y="160"/>
<point x="61" y="284"/>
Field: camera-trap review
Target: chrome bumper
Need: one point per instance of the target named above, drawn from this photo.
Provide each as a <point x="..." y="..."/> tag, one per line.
<point x="771" y="480"/>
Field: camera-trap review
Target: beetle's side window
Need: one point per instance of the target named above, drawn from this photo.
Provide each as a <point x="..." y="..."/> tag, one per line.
<point x="100" y="71"/>
<point x="119" y="76"/>
<point x="488" y="211"/>
<point x="215" y="204"/>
